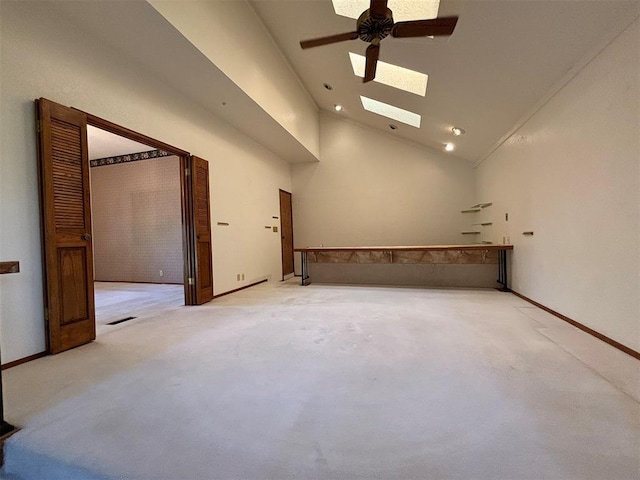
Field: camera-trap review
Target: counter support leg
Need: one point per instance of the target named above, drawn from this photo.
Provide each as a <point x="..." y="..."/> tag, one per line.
<point x="503" y="271"/>
<point x="305" y="269"/>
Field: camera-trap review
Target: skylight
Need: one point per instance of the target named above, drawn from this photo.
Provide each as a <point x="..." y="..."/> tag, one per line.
<point x="390" y="111"/>
<point x="403" y="10"/>
<point x="392" y="75"/>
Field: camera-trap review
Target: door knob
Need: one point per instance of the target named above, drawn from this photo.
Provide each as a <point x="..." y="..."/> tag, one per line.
<point x="86" y="237"/>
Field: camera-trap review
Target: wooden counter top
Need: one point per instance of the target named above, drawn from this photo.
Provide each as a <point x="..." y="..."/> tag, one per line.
<point x="400" y="248"/>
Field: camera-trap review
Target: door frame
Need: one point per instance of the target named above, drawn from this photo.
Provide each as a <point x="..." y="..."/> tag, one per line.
<point x="187" y="200"/>
<point x="186" y="196"/>
<point x="188" y="221"/>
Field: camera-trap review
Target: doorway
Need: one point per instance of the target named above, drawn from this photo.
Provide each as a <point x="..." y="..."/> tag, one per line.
<point x="136" y="229"/>
<point x="286" y="234"/>
<point x="66" y="217"/>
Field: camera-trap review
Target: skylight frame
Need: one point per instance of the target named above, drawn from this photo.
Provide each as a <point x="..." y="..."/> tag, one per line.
<point x="391" y="75"/>
<point x="403" y="10"/>
<point x="391" y="111"/>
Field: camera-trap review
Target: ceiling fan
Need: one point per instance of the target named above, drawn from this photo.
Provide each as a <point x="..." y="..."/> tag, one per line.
<point x="375" y="24"/>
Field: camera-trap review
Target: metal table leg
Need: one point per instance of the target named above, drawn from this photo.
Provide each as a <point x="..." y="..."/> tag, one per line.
<point x="305" y="269"/>
<point x="503" y="271"/>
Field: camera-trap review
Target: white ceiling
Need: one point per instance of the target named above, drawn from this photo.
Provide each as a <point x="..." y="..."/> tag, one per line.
<point x="136" y="31"/>
<point x="504" y="58"/>
<point x="103" y="144"/>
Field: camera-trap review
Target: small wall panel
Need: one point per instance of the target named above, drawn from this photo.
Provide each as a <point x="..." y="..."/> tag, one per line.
<point x="204" y="260"/>
<point x="72" y="263"/>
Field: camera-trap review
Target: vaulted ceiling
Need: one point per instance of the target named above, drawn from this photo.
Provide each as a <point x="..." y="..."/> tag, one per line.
<point x="103" y="144"/>
<point x="504" y="59"/>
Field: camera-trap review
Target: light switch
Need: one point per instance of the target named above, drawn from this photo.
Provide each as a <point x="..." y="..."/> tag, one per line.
<point x="275" y="229"/>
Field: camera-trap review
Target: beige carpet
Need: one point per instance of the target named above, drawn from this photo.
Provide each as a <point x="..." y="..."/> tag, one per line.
<point x="117" y="300"/>
<point x="282" y="381"/>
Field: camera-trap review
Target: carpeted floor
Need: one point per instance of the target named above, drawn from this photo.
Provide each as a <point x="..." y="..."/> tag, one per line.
<point x="281" y="381"/>
<point x="117" y="300"/>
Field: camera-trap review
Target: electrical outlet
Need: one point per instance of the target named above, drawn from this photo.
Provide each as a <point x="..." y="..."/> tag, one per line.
<point x="243" y="276"/>
<point x="161" y="273"/>
<point x="238" y="277"/>
<point x="506" y="217"/>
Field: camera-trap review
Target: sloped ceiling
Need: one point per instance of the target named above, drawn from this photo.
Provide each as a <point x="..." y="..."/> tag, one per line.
<point x="103" y="144"/>
<point x="504" y="58"/>
<point x="136" y="30"/>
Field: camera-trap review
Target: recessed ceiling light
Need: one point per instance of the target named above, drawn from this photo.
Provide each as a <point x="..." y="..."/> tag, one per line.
<point x="327" y="86"/>
<point x="457" y="131"/>
<point x="403" y="10"/>
<point x="449" y="147"/>
<point x="392" y="75"/>
<point x="390" y="111"/>
<point x="337" y="108"/>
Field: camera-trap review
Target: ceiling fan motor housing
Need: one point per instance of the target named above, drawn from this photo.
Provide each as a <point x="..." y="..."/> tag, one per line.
<point x="371" y="28"/>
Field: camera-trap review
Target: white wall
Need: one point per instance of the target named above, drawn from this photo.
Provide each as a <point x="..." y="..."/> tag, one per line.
<point x="233" y="37"/>
<point x="44" y="56"/>
<point x="372" y="189"/>
<point x="571" y="174"/>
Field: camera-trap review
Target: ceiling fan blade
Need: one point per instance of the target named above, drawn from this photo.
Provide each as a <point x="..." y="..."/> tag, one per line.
<point x="424" y="28"/>
<point x="373" y="51"/>
<point x="378" y="8"/>
<point x="317" y="42"/>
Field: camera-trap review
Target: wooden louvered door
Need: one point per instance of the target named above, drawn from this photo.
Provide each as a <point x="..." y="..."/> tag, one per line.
<point x="202" y="219"/>
<point x="66" y="226"/>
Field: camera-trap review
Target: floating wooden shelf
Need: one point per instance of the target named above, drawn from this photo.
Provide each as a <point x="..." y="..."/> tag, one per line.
<point x="476" y="208"/>
<point x="482" y="224"/>
<point x="470" y="233"/>
<point x="9" y="267"/>
<point x="482" y="205"/>
<point x="485" y="242"/>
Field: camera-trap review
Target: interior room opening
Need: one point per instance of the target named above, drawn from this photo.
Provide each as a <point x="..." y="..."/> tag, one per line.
<point x="137" y="229"/>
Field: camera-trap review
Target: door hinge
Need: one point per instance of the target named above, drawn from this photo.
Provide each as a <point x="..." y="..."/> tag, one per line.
<point x="46" y="314"/>
<point x="38" y="126"/>
<point x="190" y="281"/>
<point x="186" y="172"/>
